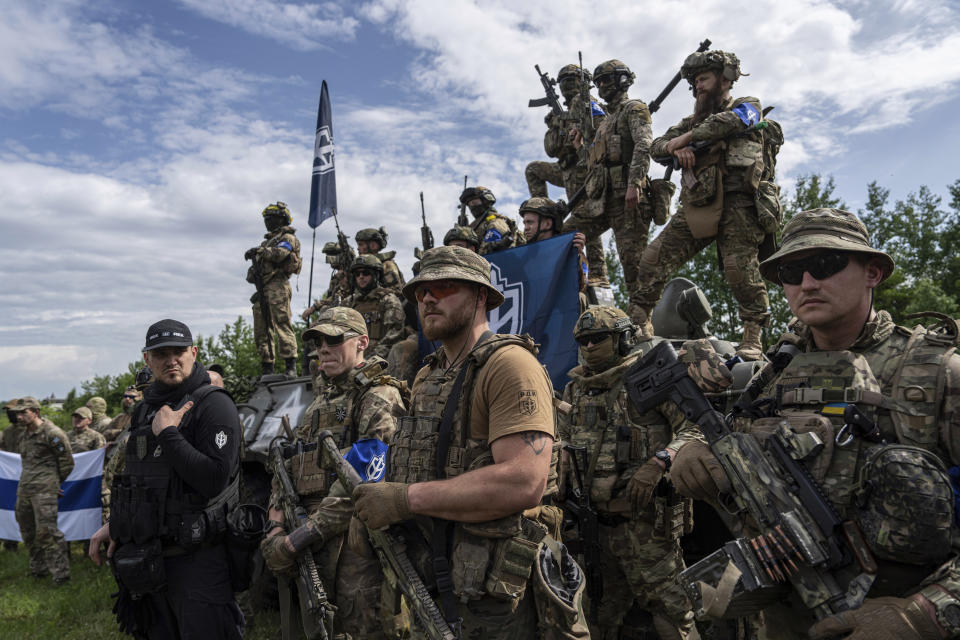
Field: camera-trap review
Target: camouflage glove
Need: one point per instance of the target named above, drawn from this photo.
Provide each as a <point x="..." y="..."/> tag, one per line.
<point x="251" y="253"/>
<point x="380" y="504"/>
<point x="697" y="474"/>
<point x="644" y="481"/>
<point x="705" y="366"/>
<point x="882" y="619"/>
<point x="357" y="539"/>
<point x="277" y="556"/>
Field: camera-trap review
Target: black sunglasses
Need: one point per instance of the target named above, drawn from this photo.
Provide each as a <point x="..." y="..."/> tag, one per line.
<point x="820" y="266"/>
<point x="127" y="395"/>
<point x="595" y="338"/>
<point x="334" y="341"/>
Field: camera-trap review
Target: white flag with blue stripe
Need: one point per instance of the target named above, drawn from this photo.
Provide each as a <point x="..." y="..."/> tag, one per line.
<point x="79" y="510"/>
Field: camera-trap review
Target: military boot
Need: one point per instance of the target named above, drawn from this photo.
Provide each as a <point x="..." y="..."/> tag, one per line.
<point x="291" y="367"/>
<point x="750" y="346"/>
<point x="266" y="368"/>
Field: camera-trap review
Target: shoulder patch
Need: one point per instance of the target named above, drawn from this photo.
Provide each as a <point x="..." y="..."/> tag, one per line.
<point x="528" y="402"/>
<point x="492" y="235"/>
<point x="285" y="245"/>
<point x="596" y="109"/>
<point x="747" y="113"/>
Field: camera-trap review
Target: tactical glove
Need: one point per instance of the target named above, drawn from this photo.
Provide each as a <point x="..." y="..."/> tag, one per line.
<point x="251" y="253"/>
<point x="697" y="474"/>
<point x="380" y="504"/>
<point x="881" y="619"/>
<point x="276" y="555"/>
<point x="644" y="481"/>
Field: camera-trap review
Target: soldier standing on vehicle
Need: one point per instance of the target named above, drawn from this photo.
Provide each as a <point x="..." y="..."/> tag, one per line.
<point x="98" y="408"/>
<point x="84" y="438"/>
<point x="616" y="183"/>
<point x="496" y="232"/>
<point x="627" y="456"/>
<point x="380" y="307"/>
<point x="358" y="401"/>
<point x="47" y="461"/>
<point x="373" y="242"/>
<point x="889" y="479"/>
<point x="719" y="195"/>
<point x="274" y="261"/>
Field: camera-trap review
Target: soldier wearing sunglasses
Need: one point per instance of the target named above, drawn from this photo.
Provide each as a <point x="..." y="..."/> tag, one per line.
<point x="380" y="307"/>
<point x="866" y="387"/>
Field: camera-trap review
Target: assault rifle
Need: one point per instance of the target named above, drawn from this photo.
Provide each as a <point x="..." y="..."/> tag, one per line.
<point x="802" y="539"/>
<point x="261" y="296"/>
<point x="550" y="98"/>
<point x="426" y="235"/>
<point x="579" y="507"/>
<point x="462" y="218"/>
<point x="316" y="612"/>
<point x="654" y="105"/>
<point x="392" y="552"/>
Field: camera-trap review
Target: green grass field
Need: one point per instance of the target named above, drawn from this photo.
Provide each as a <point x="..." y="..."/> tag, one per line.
<point x="32" y="609"/>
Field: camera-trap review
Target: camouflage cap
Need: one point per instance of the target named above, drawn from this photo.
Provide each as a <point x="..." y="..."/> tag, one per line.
<point x="27" y="402"/>
<point x="823" y="229"/>
<point x="12" y="403"/>
<point x="601" y="319"/>
<point x="97" y="404"/>
<point x="367" y="261"/>
<point x="464" y="234"/>
<point x="83" y="412"/>
<point x="454" y="263"/>
<point x="337" y="321"/>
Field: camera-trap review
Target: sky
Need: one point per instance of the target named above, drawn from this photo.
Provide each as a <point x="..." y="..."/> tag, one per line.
<point x="139" y="142"/>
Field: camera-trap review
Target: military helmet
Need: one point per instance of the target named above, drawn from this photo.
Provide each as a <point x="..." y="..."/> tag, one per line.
<point x="620" y="73"/>
<point x="546" y="208"/>
<point x="720" y="61"/>
<point x="464" y="234"/>
<point x="573" y="70"/>
<point x="380" y="235"/>
<point x="483" y="193"/>
<point x="144" y="378"/>
<point x="331" y="248"/>
<point x="601" y="319"/>
<point x="367" y="261"/>
<point x="278" y="209"/>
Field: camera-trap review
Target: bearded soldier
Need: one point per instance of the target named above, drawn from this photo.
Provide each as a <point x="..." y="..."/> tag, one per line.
<point x="617" y="164"/>
<point x="627" y="456"/>
<point x="884" y="403"/>
<point x="373" y="242"/>
<point x="496" y="232"/>
<point x="130" y="398"/>
<point x="483" y="408"/>
<point x="380" y="307"/>
<point x="721" y="188"/>
<point x="276" y="259"/>
<point x="358" y="402"/>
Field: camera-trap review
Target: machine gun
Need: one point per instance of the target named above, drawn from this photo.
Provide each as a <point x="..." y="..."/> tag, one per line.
<point x="316" y="611"/>
<point x="392" y="552"/>
<point x="550" y="98"/>
<point x="426" y="235"/>
<point x="579" y="507"/>
<point x="462" y="218"/>
<point x="802" y="539"/>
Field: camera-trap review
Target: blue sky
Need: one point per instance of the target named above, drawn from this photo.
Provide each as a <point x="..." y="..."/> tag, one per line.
<point x="140" y="141"/>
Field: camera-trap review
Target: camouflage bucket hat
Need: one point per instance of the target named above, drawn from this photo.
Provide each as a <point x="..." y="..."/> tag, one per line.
<point x="337" y="321"/>
<point x="454" y="263"/>
<point x="823" y="229"/>
<point x="27" y="402"/>
<point x="83" y="412"/>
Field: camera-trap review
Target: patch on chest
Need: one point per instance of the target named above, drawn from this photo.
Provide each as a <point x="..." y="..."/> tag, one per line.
<point x="141" y="447"/>
<point x="528" y="402"/>
<point x="340" y="414"/>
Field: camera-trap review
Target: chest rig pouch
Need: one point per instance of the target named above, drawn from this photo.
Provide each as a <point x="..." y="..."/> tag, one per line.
<point x="370" y="310"/>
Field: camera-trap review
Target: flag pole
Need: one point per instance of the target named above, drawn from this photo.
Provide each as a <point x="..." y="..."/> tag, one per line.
<point x="313" y="250"/>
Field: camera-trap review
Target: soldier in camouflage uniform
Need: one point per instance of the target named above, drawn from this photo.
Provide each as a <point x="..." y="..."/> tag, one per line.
<point x="379" y="306"/>
<point x="122" y="421"/>
<point x="485" y="499"/>
<point x="721" y="187"/>
<point x="617" y="163"/>
<point x="629" y="454"/>
<point x="906" y="382"/>
<point x="340" y="285"/>
<point x="98" y="407"/>
<point x="373" y="242"/>
<point x="278" y="257"/>
<point x="496" y="232"/>
<point x="10" y="441"/>
<point x="358" y="401"/>
<point x="569" y="171"/>
<point x="83" y="437"/>
<point x="47" y="461"/>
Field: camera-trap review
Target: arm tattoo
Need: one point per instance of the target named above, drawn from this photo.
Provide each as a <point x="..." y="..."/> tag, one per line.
<point x="536" y="440"/>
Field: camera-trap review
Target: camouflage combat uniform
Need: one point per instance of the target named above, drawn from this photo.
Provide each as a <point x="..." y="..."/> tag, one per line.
<point x="392" y="277"/>
<point x="496" y="232"/>
<point x="98" y="406"/>
<point x="279" y="257"/>
<point x="359" y="404"/>
<point x="117" y="425"/>
<point x="47" y="461"/>
<point x="383" y="312"/>
<point x="10" y="438"/>
<point x="86" y="440"/>
<point x="641" y="558"/>
<point x="619" y="158"/>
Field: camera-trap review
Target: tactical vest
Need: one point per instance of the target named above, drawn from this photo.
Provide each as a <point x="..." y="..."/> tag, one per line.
<point x="482" y="224"/>
<point x="616" y="438"/>
<point x="369" y="307"/>
<point x="611" y="153"/>
<point x="293" y="263"/>
<point x="336" y="410"/>
<point x="392" y="276"/>
<point x="492" y="558"/>
<point x="896" y="489"/>
<point x="149" y="501"/>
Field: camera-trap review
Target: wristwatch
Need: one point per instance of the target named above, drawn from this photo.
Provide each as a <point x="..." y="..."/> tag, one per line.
<point x="664" y="456"/>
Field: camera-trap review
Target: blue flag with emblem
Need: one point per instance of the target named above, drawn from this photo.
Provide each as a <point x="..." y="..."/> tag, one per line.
<point x="369" y="458"/>
<point x="323" y="185"/>
<point x="541" y="285"/>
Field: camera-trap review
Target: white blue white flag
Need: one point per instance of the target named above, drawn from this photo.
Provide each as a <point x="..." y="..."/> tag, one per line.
<point x="79" y="510"/>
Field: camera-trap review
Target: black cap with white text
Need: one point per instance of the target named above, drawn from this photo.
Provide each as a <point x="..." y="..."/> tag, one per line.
<point x="168" y="333"/>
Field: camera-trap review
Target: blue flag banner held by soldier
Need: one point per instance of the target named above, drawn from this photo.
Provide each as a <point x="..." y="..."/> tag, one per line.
<point x="79" y="510"/>
<point x="323" y="186"/>
<point x="540" y="282"/>
<point x="369" y="458"/>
